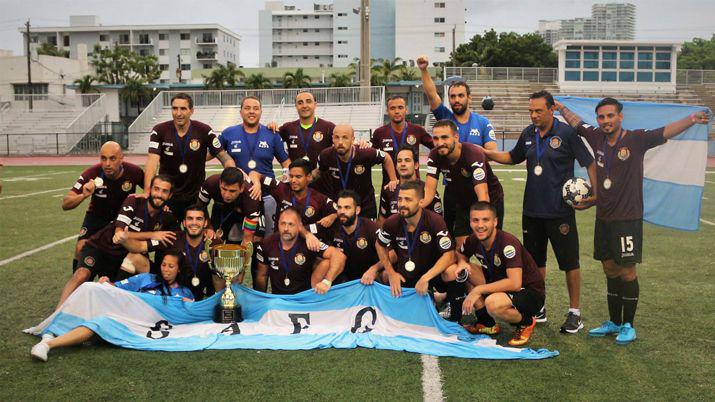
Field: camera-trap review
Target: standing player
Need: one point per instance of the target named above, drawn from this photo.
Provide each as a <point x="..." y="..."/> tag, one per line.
<point x="345" y="166"/>
<point x="550" y="148"/>
<point x="419" y="242"/>
<point x="309" y="135"/>
<point x="285" y="259"/>
<point x="618" y="235"/>
<point x="178" y="148"/>
<point x="507" y="286"/>
<point x="108" y="183"/>
<point x="407" y="167"/>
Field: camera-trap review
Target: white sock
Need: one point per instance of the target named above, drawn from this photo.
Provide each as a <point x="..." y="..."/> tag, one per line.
<point x="576" y="311"/>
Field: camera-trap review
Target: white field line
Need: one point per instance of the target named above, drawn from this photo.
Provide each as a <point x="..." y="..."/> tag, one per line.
<point x="11" y="178"/>
<point x="37" y="250"/>
<point x="31" y="194"/>
<point x="431" y="379"/>
<point x="708" y="222"/>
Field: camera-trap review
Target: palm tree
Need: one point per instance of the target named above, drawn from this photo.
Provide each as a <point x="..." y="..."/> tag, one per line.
<point x="232" y="74"/>
<point x="84" y="84"/>
<point x="51" y="50"/>
<point x="386" y="69"/>
<point x="296" y="80"/>
<point x="222" y="76"/>
<point x="134" y="91"/>
<point x="340" y="80"/>
<point x="406" y="73"/>
<point x="258" y="81"/>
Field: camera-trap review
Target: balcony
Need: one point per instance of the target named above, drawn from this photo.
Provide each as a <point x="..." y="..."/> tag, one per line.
<point x="206" y="41"/>
<point x="148" y="43"/>
<point x="206" y="56"/>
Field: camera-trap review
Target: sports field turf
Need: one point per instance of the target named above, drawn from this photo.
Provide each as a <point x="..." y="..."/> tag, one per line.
<point x="671" y="359"/>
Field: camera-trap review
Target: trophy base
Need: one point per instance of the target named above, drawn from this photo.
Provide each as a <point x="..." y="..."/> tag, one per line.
<point x="228" y="315"/>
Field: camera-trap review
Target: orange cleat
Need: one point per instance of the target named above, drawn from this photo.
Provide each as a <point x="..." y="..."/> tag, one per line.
<point x="522" y="334"/>
<point x="482" y="329"/>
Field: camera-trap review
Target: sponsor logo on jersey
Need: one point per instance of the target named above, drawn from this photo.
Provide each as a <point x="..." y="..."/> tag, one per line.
<point x="509" y="251"/>
<point x="479" y="174"/>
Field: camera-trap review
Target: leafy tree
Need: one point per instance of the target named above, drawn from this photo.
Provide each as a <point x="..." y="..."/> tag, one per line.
<point x="507" y="49"/>
<point x="85" y="84"/>
<point x="49" y="49"/>
<point x="298" y="79"/>
<point x="698" y="54"/>
<point x="405" y="73"/>
<point x="340" y="80"/>
<point x="258" y="81"/>
<point x="223" y="76"/>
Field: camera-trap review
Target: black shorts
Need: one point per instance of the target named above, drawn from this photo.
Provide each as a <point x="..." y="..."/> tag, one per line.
<point x="528" y="302"/>
<point x="620" y="241"/>
<point x="98" y="262"/>
<point x="91" y="224"/>
<point x="461" y="218"/>
<point x="562" y="234"/>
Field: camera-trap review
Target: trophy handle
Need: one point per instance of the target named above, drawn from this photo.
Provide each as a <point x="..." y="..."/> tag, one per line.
<point x="247" y="256"/>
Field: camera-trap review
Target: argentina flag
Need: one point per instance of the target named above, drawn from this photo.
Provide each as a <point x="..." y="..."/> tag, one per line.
<point x="350" y="315"/>
<point x="673" y="173"/>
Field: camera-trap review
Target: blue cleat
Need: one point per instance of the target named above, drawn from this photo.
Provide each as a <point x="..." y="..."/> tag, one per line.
<point x="607" y="328"/>
<point x="626" y="335"/>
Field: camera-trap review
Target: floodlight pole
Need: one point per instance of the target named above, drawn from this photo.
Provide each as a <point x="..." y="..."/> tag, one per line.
<point x="29" y="69"/>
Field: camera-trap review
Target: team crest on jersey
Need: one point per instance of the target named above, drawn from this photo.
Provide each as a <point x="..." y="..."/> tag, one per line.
<point x="310" y="211"/>
<point x="318" y="136"/>
<point x="299" y="259"/>
<point x="497" y="260"/>
<point x="445" y="243"/>
<point x="411" y="139"/>
<point x="361" y="243"/>
<point x="126" y="186"/>
<point x="465" y="172"/>
<point x="89" y="261"/>
<point x="359" y="169"/>
<point x="509" y="251"/>
<point x="157" y="226"/>
<point x="194" y="144"/>
<point x="204" y="256"/>
<point x="82" y="231"/>
<point x="479" y="174"/>
<point x="624" y="153"/>
<point x="555" y="142"/>
<point x="425" y="237"/>
<point x="564" y="228"/>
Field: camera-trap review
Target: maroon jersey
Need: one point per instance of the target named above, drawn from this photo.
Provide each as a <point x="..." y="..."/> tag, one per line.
<point x="318" y="204"/>
<point x="289" y="271"/>
<point x="412" y="135"/>
<point x="196" y="261"/>
<point x="108" y="197"/>
<point x="506" y="252"/>
<point x="357" y="174"/>
<point x="134" y="215"/>
<point x="244" y="207"/>
<point x="388" y="202"/>
<point x="318" y="137"/>
<point x="358" y="247"/>
<point x="189" y="150"/>
<point x="470" y="169"/>
<point x="622" y="164"/>
<point x="433" y="240"/>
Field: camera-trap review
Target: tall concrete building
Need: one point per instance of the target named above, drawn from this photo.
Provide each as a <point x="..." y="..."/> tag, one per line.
<point x="609" y="21"/>
<point x="182" y="47"/>
<point x="329" y="34"/>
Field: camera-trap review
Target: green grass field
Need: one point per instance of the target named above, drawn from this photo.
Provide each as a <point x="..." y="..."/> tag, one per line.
<point x="672" y="358"/>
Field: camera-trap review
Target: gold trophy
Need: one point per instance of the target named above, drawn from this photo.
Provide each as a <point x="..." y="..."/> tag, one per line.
<point x="228" y="261"/>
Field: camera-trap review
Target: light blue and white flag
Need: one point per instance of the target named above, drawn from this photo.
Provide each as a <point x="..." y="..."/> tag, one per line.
<point x="348" y="316"/>
<point x="673" y="173"/>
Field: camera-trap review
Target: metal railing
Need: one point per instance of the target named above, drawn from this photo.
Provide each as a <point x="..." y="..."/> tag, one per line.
<point x="695" y="77"/>
<point x="85" y="122"/>
<point x="531" y="74"/>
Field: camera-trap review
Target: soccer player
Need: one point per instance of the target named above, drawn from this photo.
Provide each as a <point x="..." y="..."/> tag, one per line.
<point x="146" y="220"/>
<point x="309" y="135"/>
<point x="550" y="148"/>
<point x="355" y="236"/>
<point x="345" y="166"/>
<point x="178" y="148"/>
<point x="285" y="259"/>
<point x="415" y="246"/>
<point x="618" y="235"/>
<point x="407" y="167"/>
<point x="507" y="284"/>
<point x="235" y="215"/>
<point x="107" y="184"/>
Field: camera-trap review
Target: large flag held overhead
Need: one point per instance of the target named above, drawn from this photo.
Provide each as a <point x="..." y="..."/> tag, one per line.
<point x="348" y="316"/>
<point x="673" y="173"/>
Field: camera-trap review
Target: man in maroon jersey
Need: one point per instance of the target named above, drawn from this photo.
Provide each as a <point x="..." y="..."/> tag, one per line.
<point x="407" y="167"/>
<point x="618" y="235"/>
<point x="284" y="257"/>
<point x="318" y="211"/>
<point x="507" y="285"/>
<point x="345" y="166"/>
<point x="178" y="148"/>
<point x="309" y="135"/>
<point x="414" y="246"/>
<point x="108" y="183"/>
<point x="145" y="219"/>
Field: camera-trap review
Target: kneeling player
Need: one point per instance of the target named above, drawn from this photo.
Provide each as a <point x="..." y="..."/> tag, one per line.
<point x="508" y="283"/>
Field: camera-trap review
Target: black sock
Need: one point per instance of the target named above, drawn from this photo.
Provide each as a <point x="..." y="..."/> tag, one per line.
<point x="455" y="292"/>
<point x="74" y="265"/>
<point x="121" y="275"/>
<point x="615" y="304"/>
<point x="526" y="320"/>
<point x="629" y="297"/>
<point x="484" y="318"/>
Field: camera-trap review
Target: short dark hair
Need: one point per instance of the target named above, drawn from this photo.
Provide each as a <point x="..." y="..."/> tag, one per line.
<point x="250" y="97"/>
<point x="232" y="175"/>
<point x="405" y="147"/>
<point x="301" y="163"/>
<point x="350" y="194"/>
<point x="305" y="91"/>
<point x="198" y="207"/>
<point x="446" y="123"/>
<point x="459" y="84"/>
<point x="162" y="177"/>
<point x="483" y="206"/>
<point x="184" y="96"/>
<point x="395" y="97"/>
<point x="546" y="95"/>
<point x="293" y="210"/>
<point x="414" y="185"/>
<point x="610" y="101"/>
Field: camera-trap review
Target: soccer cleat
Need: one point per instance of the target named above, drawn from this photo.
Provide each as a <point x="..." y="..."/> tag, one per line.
<point x="522" y="334"/>
<point x="446" y="312"/>
<point x="40" y="351"/>
<point x="541" y="315"/>
<point x="626" y="335"/>
<point x="607" y="328"/>
<point x="482" y="329"/>
<point x="572" y="324"/>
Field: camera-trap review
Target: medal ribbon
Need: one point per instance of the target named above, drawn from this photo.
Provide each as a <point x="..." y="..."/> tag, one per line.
<point x="352" y="237"/>
<point x="608" y="156"/>
<point x="146" y="216"/>
<point x="489" y="257"/>
<point x="285" y="263"/>
<point x="396" y="144"/>
<point x="250" y="149"/>
<point x="305" y="140"/>
<point x="183" y="144"/>
<point x="193" y="257"/>
<point x="411" y="242"/>
<point x="294" y="201"/>
<point x="344" y="180"/>
<point x="539" y="151"/>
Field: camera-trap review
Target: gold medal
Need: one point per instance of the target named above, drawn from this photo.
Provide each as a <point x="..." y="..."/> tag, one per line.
<point x="98" y="182"/>
<point x="251" y="164"/>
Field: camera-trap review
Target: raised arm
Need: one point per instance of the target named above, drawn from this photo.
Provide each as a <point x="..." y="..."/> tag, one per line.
<point x="427" y="84"/>
<point x="150" y="170"/>
<point x="571" y="118"/>
<point x="72" y="199"/>
<point x="677" y="127"/>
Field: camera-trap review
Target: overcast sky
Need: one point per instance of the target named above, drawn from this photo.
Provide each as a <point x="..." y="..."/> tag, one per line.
<point x="679" y="20"/>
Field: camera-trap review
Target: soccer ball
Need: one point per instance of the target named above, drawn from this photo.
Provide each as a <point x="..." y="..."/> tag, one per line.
<point x="575" y="190"/>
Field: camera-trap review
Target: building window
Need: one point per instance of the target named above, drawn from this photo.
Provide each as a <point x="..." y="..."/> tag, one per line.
<point x="185" y="52"/>
<point x="124" y="39"/>
<point x="305" y="17"/>
<point x="342" y="56"/>
<point x="52" y="40"/>
<point x="573" y="76"/>
<point x="185" y="36"/>
<point x="342" y="42"/>
<point x="608" y="76"/>
<point x="439" y="4"/>
<point x="162" y="52"/>
<point x="208" y="66"/>
<point x="143" y="52"/>
<point x="625" y="76"/>
<point x="609" y="60"/>
<point x="439" y="49"/>
<point x="626" y="60"/>
<point x="342" y="14"/>
<point x="305" y="43"/>
<point x="23" y="90"/>
<point x="317" y="16"/>
<point x="317" y="43"/>
<point x="342" y="28"/>
<point x="645" y="76"/>
<point x="317" y="30"/>
<point x="162" y="36"/>
<point x="144" y="39"/>
<point x="186" y="67"/>
<point x="645" y="60"/>
<point x="305" y="30"/>
<point x="66" y="40"/>
<point x="662" y="77"/>
<point x="315" y="57"/>
<point x="439" y="20"/>
<point x="163" y="67"/>
<point x="573" y="59"/>
<point x="104" y="38"/>
<point x="590" y="59"/>
<point x="590" y="75"/>
<point x="439" y="34"/>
